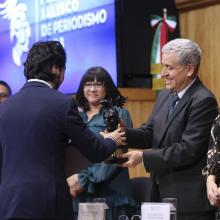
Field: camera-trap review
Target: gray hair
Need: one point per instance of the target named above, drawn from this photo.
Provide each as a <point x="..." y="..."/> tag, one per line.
<point x="187" y="51"/>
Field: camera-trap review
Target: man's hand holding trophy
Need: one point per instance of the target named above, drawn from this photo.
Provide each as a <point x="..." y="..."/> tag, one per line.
<point x="113" y="123"/>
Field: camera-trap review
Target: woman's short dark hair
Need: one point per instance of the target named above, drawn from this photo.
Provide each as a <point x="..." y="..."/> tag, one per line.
<point x="3" y="83"/>
<point x="100" y="75"/>
<point x="41" y="58"/>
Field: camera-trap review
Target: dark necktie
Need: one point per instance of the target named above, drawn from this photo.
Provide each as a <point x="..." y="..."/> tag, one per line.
<point x="174" y="100"/>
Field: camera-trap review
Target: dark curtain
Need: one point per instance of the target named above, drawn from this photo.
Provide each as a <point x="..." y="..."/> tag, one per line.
<point x="134" y="38"/>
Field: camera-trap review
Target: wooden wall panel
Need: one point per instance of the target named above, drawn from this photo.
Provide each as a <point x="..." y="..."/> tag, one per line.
<point x="201" y="24"/>
<point x="186" y="5"/>
<point x="140" y="103"/>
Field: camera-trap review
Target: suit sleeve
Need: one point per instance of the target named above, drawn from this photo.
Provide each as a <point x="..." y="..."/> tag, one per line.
<point x="141" y="137"/>
<point x="0" y="162"/>
<point x="193" y="143"/>
<point x="94" y="148"/>
<point x="98" y="173"/>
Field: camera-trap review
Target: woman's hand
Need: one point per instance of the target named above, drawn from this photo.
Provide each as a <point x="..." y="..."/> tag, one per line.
<point x="213" y="192"/>
<point x="74" y="185"/>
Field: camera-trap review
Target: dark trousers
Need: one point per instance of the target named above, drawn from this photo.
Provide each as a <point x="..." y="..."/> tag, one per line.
<point x="155" y="197"/>
<point x="196" y="216"/>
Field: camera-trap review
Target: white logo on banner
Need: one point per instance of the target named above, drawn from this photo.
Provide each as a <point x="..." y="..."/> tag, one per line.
<point x="19" y="27"/>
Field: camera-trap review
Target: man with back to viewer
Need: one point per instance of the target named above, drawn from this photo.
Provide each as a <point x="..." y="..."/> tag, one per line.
<point x="178" y="132"/>
<point x="34" y="125"/>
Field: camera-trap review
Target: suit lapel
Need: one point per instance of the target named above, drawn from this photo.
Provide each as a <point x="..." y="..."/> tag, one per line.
<point x="165" y="110"/>
<point x="180" y="106"/>
<point x="162" y="113"/>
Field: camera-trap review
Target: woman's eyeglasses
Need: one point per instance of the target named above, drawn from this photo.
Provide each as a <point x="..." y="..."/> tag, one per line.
<point x="95" y="85"/>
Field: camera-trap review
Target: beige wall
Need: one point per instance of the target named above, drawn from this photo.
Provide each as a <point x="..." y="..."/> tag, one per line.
<point x="199" y="21"/>
<point x="140" y="104"/>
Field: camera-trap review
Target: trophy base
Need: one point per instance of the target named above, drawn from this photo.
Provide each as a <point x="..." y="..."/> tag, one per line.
<point x="116" y="156"/>
<point x="116" y="160"/>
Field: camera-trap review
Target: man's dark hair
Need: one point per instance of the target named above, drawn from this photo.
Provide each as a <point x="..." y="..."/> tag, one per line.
<point x="42" y="57"/>
<point x="100" y="75"/>
<point x="3" y="83"/>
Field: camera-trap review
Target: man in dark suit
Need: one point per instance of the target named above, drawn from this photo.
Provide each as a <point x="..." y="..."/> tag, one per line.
<point x="177" y="133"/>
<point x="34" y="125"/>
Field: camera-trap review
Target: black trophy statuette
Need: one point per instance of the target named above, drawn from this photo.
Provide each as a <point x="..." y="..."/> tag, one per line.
<point x="111" y="119"/>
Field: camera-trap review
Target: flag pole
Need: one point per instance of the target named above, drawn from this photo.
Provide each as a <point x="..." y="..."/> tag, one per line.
<point x="165" y="13"/>
<point x="163" y="25"/>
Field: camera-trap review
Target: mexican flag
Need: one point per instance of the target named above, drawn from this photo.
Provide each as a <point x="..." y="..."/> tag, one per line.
<point x="162" y="26"/>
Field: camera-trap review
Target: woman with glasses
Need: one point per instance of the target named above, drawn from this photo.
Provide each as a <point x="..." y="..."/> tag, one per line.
<point x="102" y="180"/>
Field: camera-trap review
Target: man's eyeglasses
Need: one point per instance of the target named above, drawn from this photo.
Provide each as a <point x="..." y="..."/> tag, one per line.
<point x="96" y="85"/>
